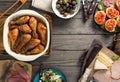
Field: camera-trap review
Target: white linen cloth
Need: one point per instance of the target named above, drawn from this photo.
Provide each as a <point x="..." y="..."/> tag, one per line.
<point x="45" y="5"/>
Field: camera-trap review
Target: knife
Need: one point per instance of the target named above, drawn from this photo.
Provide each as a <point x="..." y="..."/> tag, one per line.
<point x="85" y="9"/>
<point x="87" y="72"/>
<point x="86" y="67"/>
<point x="92" y="7"/>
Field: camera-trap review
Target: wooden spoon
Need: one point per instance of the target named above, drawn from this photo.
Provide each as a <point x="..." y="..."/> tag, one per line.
<point x="22" y="1"/>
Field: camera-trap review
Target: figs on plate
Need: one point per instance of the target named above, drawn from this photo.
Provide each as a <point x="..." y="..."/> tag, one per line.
<point x="110" y="25"/>
<point x="112" y="12"/>
<point x="99" y="17"/>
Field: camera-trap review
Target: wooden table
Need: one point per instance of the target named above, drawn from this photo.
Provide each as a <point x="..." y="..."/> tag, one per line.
<point x="70" y="39"/>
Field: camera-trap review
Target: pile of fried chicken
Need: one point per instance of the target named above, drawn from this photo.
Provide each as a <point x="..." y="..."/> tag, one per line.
<point x="27" y="35"/>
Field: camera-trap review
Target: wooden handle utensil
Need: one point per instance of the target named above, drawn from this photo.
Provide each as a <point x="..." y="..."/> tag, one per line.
<point x="92" y="7"/>
<point x="22" y="1"/>
<point x="85" y="9"/>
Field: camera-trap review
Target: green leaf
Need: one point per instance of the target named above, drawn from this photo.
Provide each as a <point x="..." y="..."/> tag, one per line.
<point x="116" y="57"/>
<point x="25" y="68"/>
<point x="100" y="5"/>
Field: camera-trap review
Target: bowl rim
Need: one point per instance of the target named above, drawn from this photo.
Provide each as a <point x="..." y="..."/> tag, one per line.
<point x="23" y="57"/>
<point x="61" y="16"/>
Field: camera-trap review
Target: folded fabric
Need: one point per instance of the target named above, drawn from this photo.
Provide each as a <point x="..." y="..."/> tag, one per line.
<point x="45" y="5"/>
<point x="89" y="55"/>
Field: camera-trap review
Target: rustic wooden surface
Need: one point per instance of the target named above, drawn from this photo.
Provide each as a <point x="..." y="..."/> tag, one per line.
<point x="70" y="39"/>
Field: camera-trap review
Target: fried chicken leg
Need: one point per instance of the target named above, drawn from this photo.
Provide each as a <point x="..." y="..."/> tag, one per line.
<point x="13" y="35"/>
<point x="21" y="20"/>
<point x="33" y="25"/>
<point x="24" y="39"/>
<point x="42" y="30"/>
<point x="25" y="28"/>
<point x="13" y="27"/>
<point x="36" y="50"/>
<point x="34" y="43"/>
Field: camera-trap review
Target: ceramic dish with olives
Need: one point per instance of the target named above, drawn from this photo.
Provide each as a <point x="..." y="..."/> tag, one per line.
<point x="65" y="8"/>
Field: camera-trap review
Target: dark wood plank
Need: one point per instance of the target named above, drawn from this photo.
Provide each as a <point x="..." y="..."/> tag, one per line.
<point x="78" y="42"/>
<point x="5" y="5"/>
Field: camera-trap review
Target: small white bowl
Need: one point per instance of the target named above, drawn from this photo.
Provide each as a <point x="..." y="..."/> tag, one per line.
<point x="69" y="15"/>
<point x="24" y="57"/>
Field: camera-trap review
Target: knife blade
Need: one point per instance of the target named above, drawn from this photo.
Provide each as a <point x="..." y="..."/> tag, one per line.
<point x="92" y="7"/>
<point x="85" y="9"/>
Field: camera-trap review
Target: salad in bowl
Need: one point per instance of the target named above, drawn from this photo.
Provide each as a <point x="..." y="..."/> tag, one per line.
<point x="50" y="75"/>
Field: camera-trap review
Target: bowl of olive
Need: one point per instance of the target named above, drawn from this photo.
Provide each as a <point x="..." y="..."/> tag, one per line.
<point x="65" y="8"/>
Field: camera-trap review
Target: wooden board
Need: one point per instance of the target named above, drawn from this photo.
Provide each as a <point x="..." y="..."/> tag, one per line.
<point x="7" y="65"/>
<point x="105" y="51"/>
<point x="48" y="17"/>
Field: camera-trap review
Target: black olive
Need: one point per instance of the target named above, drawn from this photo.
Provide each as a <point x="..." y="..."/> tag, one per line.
<point x="67" y="4"/>
<point x="74" y="7"/>
<point x="70" y="6"/>
<point x="68" y="9"/>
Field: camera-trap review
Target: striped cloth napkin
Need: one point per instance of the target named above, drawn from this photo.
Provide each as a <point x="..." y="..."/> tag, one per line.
<point x="45" y="5"/>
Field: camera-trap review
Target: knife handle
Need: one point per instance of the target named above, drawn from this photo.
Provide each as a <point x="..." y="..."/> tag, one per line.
<point x="85" y="8"/>
<point x="85" y="75"/>
<point x="92" y="7"/>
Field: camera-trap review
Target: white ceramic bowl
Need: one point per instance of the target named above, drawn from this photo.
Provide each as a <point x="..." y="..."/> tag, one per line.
<point x="24" y="57"/>
<point x="68" y="16"/>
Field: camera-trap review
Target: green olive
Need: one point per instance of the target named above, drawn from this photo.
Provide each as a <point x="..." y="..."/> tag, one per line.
<point x="74" y="2"/>
<point x="72" y="11"/>
<point x="65" y="14"/>
<point x="60" y="2"/>
<point x="62" y="12"/>
<point x="60" y="9"/>
<point x="65" y="1"/>
<point x="58" y="6"/>
<point x="69" y="1"/>
<point x="64" y="7"/>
